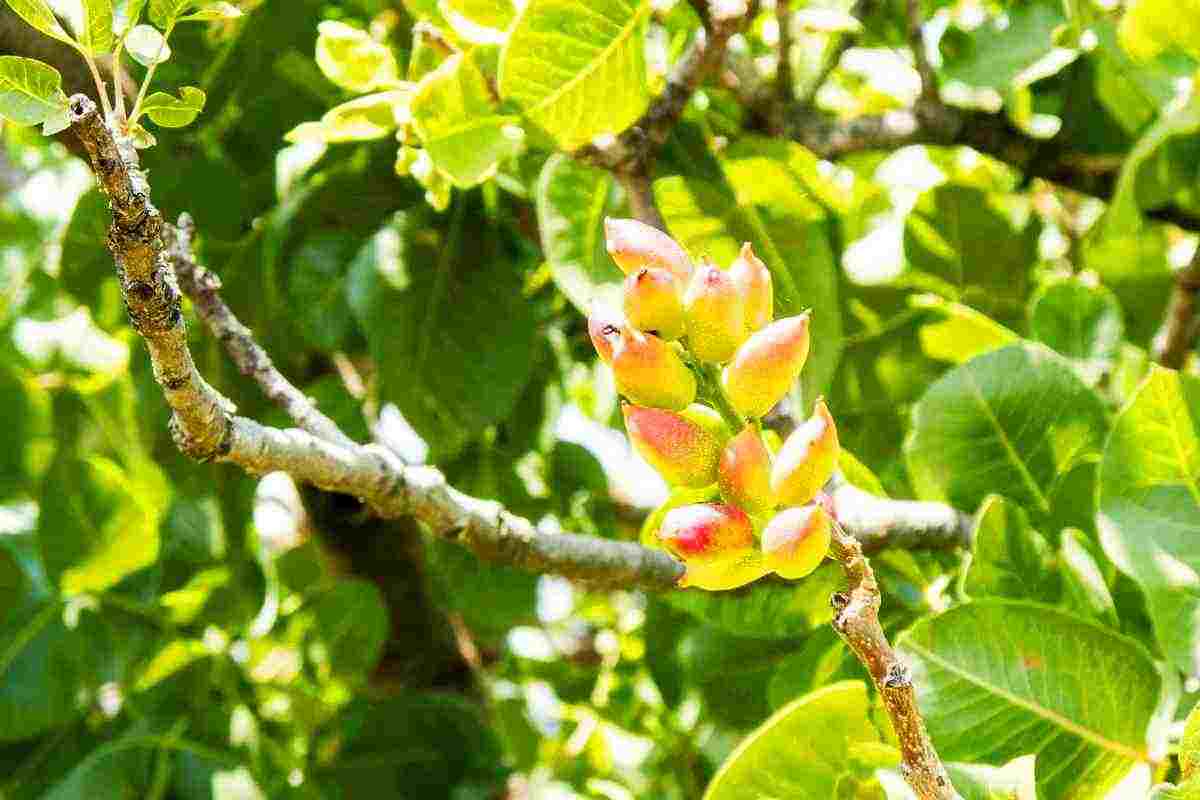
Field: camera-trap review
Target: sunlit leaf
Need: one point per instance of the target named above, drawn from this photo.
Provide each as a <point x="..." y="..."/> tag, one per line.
<point x="1149" y="516"/>
<point x="372" y="116"/>
<point x="353" y="60"/>
<point x="31" y="94"/>
<point x="147" y="46"/>
<point x="562" y="60"/>
<point x="1013" y="421"/>
<point x="453" y="112"/>
<point x="1001" y="679"/>
<point x="174" y="112"/>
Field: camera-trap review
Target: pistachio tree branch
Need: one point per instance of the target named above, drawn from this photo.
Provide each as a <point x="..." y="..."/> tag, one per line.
<point x="1181" y="326"/>
<point x="856" y="619"/>
<point x="203" y="287"/>
<point x="150" y="253"/>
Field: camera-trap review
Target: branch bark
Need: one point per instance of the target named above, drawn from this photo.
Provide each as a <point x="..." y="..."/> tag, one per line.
<point x="856" y="619"/>
<point x="1180" y="325"/>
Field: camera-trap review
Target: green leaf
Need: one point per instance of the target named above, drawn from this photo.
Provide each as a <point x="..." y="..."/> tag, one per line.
<point x="31" y="94"/>
<point x="572" y="201"/>
<point x="353" y="60"/>
<point x="352" y="627"/>
<point x="38" y="14"/>
<point x="165" y="13"/>
<point x="84" y="268"/>
<point x="997" y="53"/>
<point x="99" y="522"/>
<point x="1000" y="679"/>
<point x="1188" y="790"/>
<point x="962" y="332"/>
<point x="454" y="114"/>
<point x="444" y="315"/>
<point x="1013" y="421"/>
<point x="174" y="656"/>
<point x="973" y="246"/>
<point x="147" y="46"/>
<point x="317" y="288"/>
<point x="562" y="60"/>
<point x="1009" y="557"/>
<point x="174" y="112"/>
<point x="23" y="419"/>
<point x="13" y="583"/>
<point x="1151" y="26"/>
<point x="1180" y="118"/>
<point x="1087" y="591"/>
<point x="802" y="751"/>
<point x="43" y="667"/>
<point x="479" y="21"/>
<point x="1149" y="517"/>
<point x="372" y="116"/>
<point x="1189" y="745"/>
<point x="1081" y="321"/>
<point x="97" y="34"/>
<point x="217" y="12"/>
<point x="1013" y="781"/>
<point x="120" y="769"/>
<point x="712" y="218"/>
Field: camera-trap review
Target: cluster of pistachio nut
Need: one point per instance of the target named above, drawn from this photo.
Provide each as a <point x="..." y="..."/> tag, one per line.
<point x="686" y="328"/>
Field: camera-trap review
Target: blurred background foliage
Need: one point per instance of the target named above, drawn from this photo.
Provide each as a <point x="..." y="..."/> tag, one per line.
<point x="179" y="630"/>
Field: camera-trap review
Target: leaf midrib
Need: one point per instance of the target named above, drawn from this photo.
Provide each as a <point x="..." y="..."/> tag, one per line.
<point x="1026" y="476"/>
<point x="1042" y="712"/>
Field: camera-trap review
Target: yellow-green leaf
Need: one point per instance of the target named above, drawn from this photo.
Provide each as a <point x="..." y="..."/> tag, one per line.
<point x="577" y="67"/>
<point x="96" y="34"/>
<point x="31" y="94"/>
<point x="353" y="60"/>
<point x="454" y="114"/>
<point x="372" y="116"/>
<point x="174" y="112"/>
<point x="38" y="14"/>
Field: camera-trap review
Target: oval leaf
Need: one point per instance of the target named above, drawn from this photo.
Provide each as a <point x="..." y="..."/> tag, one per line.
<point x="563" y="60"/>
<point x="1080" y="321"/>
<point x="353" y="60"/>
<point x="1149" y="517"/>
<point x="174" y="112"/>
<point x="166" y="13"/>
<point x="1000" y="679"/>
<point x="1012" y="421"/>
<point x="147" y="46"/>
<point x="31" y="94"/>
<point x="96" y="35"/>
<point x="451" y="112"/>
<point x="804" y="749"/>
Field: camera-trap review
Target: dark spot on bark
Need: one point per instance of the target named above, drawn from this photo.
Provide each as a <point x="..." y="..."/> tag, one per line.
<point x="141" y="290"/>
<point x="175" y="384"/>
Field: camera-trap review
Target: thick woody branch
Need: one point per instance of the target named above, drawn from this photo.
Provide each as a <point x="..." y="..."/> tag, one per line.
<point x="1181" y="325"/>
<point x="856" y="619"/>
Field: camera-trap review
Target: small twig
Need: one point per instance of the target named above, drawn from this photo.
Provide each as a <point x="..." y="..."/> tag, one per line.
<point x="856" y="619"/>
<point x="203" y="287"/>
<point x="879" y="523"/>
<point x="1179" y="330"/>
<point x="929" y="97"/>
<point x="639" y="189"/>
